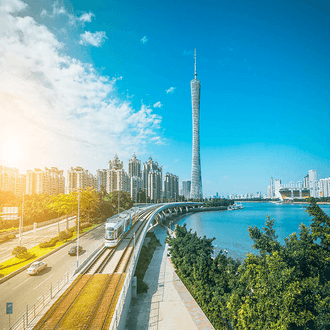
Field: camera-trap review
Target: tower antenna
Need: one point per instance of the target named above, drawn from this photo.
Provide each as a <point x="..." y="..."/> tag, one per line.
<point x="195" y="66"/>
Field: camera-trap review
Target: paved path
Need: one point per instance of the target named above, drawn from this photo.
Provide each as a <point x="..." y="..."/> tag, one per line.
<point x="167" y="305"/>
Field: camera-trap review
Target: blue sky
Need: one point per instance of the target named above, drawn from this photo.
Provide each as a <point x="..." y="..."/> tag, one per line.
<point x="83" y="80"/>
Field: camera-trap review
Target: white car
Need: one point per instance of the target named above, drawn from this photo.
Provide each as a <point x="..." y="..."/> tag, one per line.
<point x="36" y="267"/>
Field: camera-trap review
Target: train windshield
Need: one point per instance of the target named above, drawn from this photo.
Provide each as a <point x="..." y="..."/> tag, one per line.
<point x="109" y="233"/>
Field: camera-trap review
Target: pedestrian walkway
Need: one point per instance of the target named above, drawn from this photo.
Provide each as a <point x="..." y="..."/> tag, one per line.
<point x="167" y="305"/>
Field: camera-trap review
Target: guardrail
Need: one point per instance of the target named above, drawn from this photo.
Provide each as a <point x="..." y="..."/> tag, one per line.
<point x="33" y="313"/>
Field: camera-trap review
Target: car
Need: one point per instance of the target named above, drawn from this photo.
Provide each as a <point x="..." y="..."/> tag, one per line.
<point x="36" y="267"/>
<point x="73" y="250"/>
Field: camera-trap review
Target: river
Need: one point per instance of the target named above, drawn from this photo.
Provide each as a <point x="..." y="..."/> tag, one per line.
<point x="230" y="228"/>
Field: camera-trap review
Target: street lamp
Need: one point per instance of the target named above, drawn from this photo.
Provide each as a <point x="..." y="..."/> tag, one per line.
<point x="78" y="227"/>
<point x="118" y="199"/>
<point x="21" y="223"/>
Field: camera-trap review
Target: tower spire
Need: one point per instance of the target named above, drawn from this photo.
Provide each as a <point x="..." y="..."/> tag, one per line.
<point x="195" y="66"/>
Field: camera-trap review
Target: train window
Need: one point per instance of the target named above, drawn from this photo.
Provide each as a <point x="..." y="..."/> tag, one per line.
<point x="109" y="233"/>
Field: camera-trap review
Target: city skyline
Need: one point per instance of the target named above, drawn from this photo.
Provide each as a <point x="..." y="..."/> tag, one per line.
<point x="82" y="81"/>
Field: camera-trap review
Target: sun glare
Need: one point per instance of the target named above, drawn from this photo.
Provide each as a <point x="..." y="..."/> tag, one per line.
<point x="11" y="153"/>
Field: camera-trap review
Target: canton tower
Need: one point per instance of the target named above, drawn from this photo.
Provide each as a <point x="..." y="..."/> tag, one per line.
<point x="196" y="176"/>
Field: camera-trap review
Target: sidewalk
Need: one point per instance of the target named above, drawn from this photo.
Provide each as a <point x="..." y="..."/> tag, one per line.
<point x="167" y="305"/>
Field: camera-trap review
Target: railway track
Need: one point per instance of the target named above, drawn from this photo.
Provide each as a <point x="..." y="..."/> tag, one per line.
<point x="90" y="301"/>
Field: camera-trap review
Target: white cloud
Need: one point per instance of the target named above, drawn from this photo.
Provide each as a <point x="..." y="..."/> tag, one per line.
<point x="144" y="39"/>
<point x="157" y="105"/>
<point x="95" y="39"/>
<point x="170" y="90"/>
<point x="59" y="111"/>
<point x="86" y="17"/>
<point x="12" y="6"/>
<point x="61" y="10"/>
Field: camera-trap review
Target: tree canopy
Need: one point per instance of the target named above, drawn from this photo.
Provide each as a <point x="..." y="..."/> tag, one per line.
<point x="279" y="287"/>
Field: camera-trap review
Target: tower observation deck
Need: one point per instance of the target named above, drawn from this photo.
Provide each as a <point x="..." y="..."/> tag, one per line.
<point x="196" y="176"/>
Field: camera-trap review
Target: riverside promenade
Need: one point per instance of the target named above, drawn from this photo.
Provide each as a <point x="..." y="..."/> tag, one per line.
<point x="167" y="305"/>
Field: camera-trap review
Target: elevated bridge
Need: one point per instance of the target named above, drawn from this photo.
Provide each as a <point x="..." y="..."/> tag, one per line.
<point x="120" y="298"/>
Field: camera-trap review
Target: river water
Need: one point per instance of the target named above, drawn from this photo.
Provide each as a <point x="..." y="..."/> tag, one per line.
<point x="230" y="228"/>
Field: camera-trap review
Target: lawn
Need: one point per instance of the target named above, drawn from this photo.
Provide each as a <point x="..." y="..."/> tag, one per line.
<point x="13" y="264"/>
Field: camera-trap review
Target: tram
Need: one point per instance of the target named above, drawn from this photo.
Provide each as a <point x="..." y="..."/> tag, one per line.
<point x="118" y="225"/>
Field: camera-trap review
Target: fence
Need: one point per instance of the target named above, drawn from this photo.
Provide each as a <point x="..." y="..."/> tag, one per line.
<point x="33" y="313"/>
<point x="39" y="225"/>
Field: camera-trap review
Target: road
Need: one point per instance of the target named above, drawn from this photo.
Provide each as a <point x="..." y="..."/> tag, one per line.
<point x="31" y="239"/>
<point x="23" y="289"/>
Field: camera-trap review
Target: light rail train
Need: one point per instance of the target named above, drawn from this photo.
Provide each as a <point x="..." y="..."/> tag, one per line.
<point x="118" y="225"/>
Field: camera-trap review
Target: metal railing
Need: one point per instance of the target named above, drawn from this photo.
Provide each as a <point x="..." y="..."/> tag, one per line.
<point x="33" y="313"/>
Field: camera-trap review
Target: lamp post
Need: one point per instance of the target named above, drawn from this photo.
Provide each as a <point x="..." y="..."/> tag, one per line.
<point x="78" y="227"/>
<point x="118" y="199"/>
<point x="21" y="223"/>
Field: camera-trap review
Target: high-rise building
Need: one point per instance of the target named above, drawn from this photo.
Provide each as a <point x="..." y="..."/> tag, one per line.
<point x="136" y="186"/>
<point x="101" y="178"/>
<point x="324" y="187"/>
<point x="135" y="174"/>
<point x="196" y="176"/>
<point x="8" y="177"/>
<point x="147" y="167"/>
<point x="155" y="185"/>
<point x="77" y="177"/>
<point x="117" y="178"/>
<point x="277" y="188"/>
<point x="313" y="183"/>
<point x="171" y="186"/>
<point x="186" y="186"/>
<point x="134" y="167"/>
<point x="50" y="181"/>
<point x="306" y="182"/>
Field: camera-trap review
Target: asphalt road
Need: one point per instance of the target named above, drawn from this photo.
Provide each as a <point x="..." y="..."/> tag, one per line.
<point x="23" y="289"/>
<point x="31" y="239"/>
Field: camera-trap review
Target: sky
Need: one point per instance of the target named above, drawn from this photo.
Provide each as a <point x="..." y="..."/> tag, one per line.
<point x="83" y="80"/>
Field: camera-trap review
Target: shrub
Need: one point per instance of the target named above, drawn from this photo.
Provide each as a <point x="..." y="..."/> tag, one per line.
<point x="26" y="255"/>
<point x="6" y="238"/>
<point x="64" y="235"/>
<point x="49" y="243"/>
<point x="19" y="252"/>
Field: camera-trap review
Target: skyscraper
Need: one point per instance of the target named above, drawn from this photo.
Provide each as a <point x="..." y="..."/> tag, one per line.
<point x="196" y="176"/>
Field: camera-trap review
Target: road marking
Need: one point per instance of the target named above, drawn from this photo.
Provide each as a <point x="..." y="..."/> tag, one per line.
<point x="43" y="281"/>
<point x="20" y="284"/>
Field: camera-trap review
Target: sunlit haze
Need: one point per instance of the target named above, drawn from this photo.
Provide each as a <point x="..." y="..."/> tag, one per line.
<point x="83" y="80"/>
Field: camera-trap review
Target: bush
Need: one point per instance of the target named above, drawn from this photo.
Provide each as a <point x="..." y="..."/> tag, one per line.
<point x="19" y="252"/>
<point x="49" y="243"/>
<point x="64" y="235"/>
<point x="26" y="255"/>
<point x="6" y="238"/>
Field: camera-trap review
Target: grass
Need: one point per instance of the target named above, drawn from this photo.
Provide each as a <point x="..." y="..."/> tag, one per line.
<point x="13" y="264"/>
<point x="82" y="309"/>
<point x="144" y="260"/>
